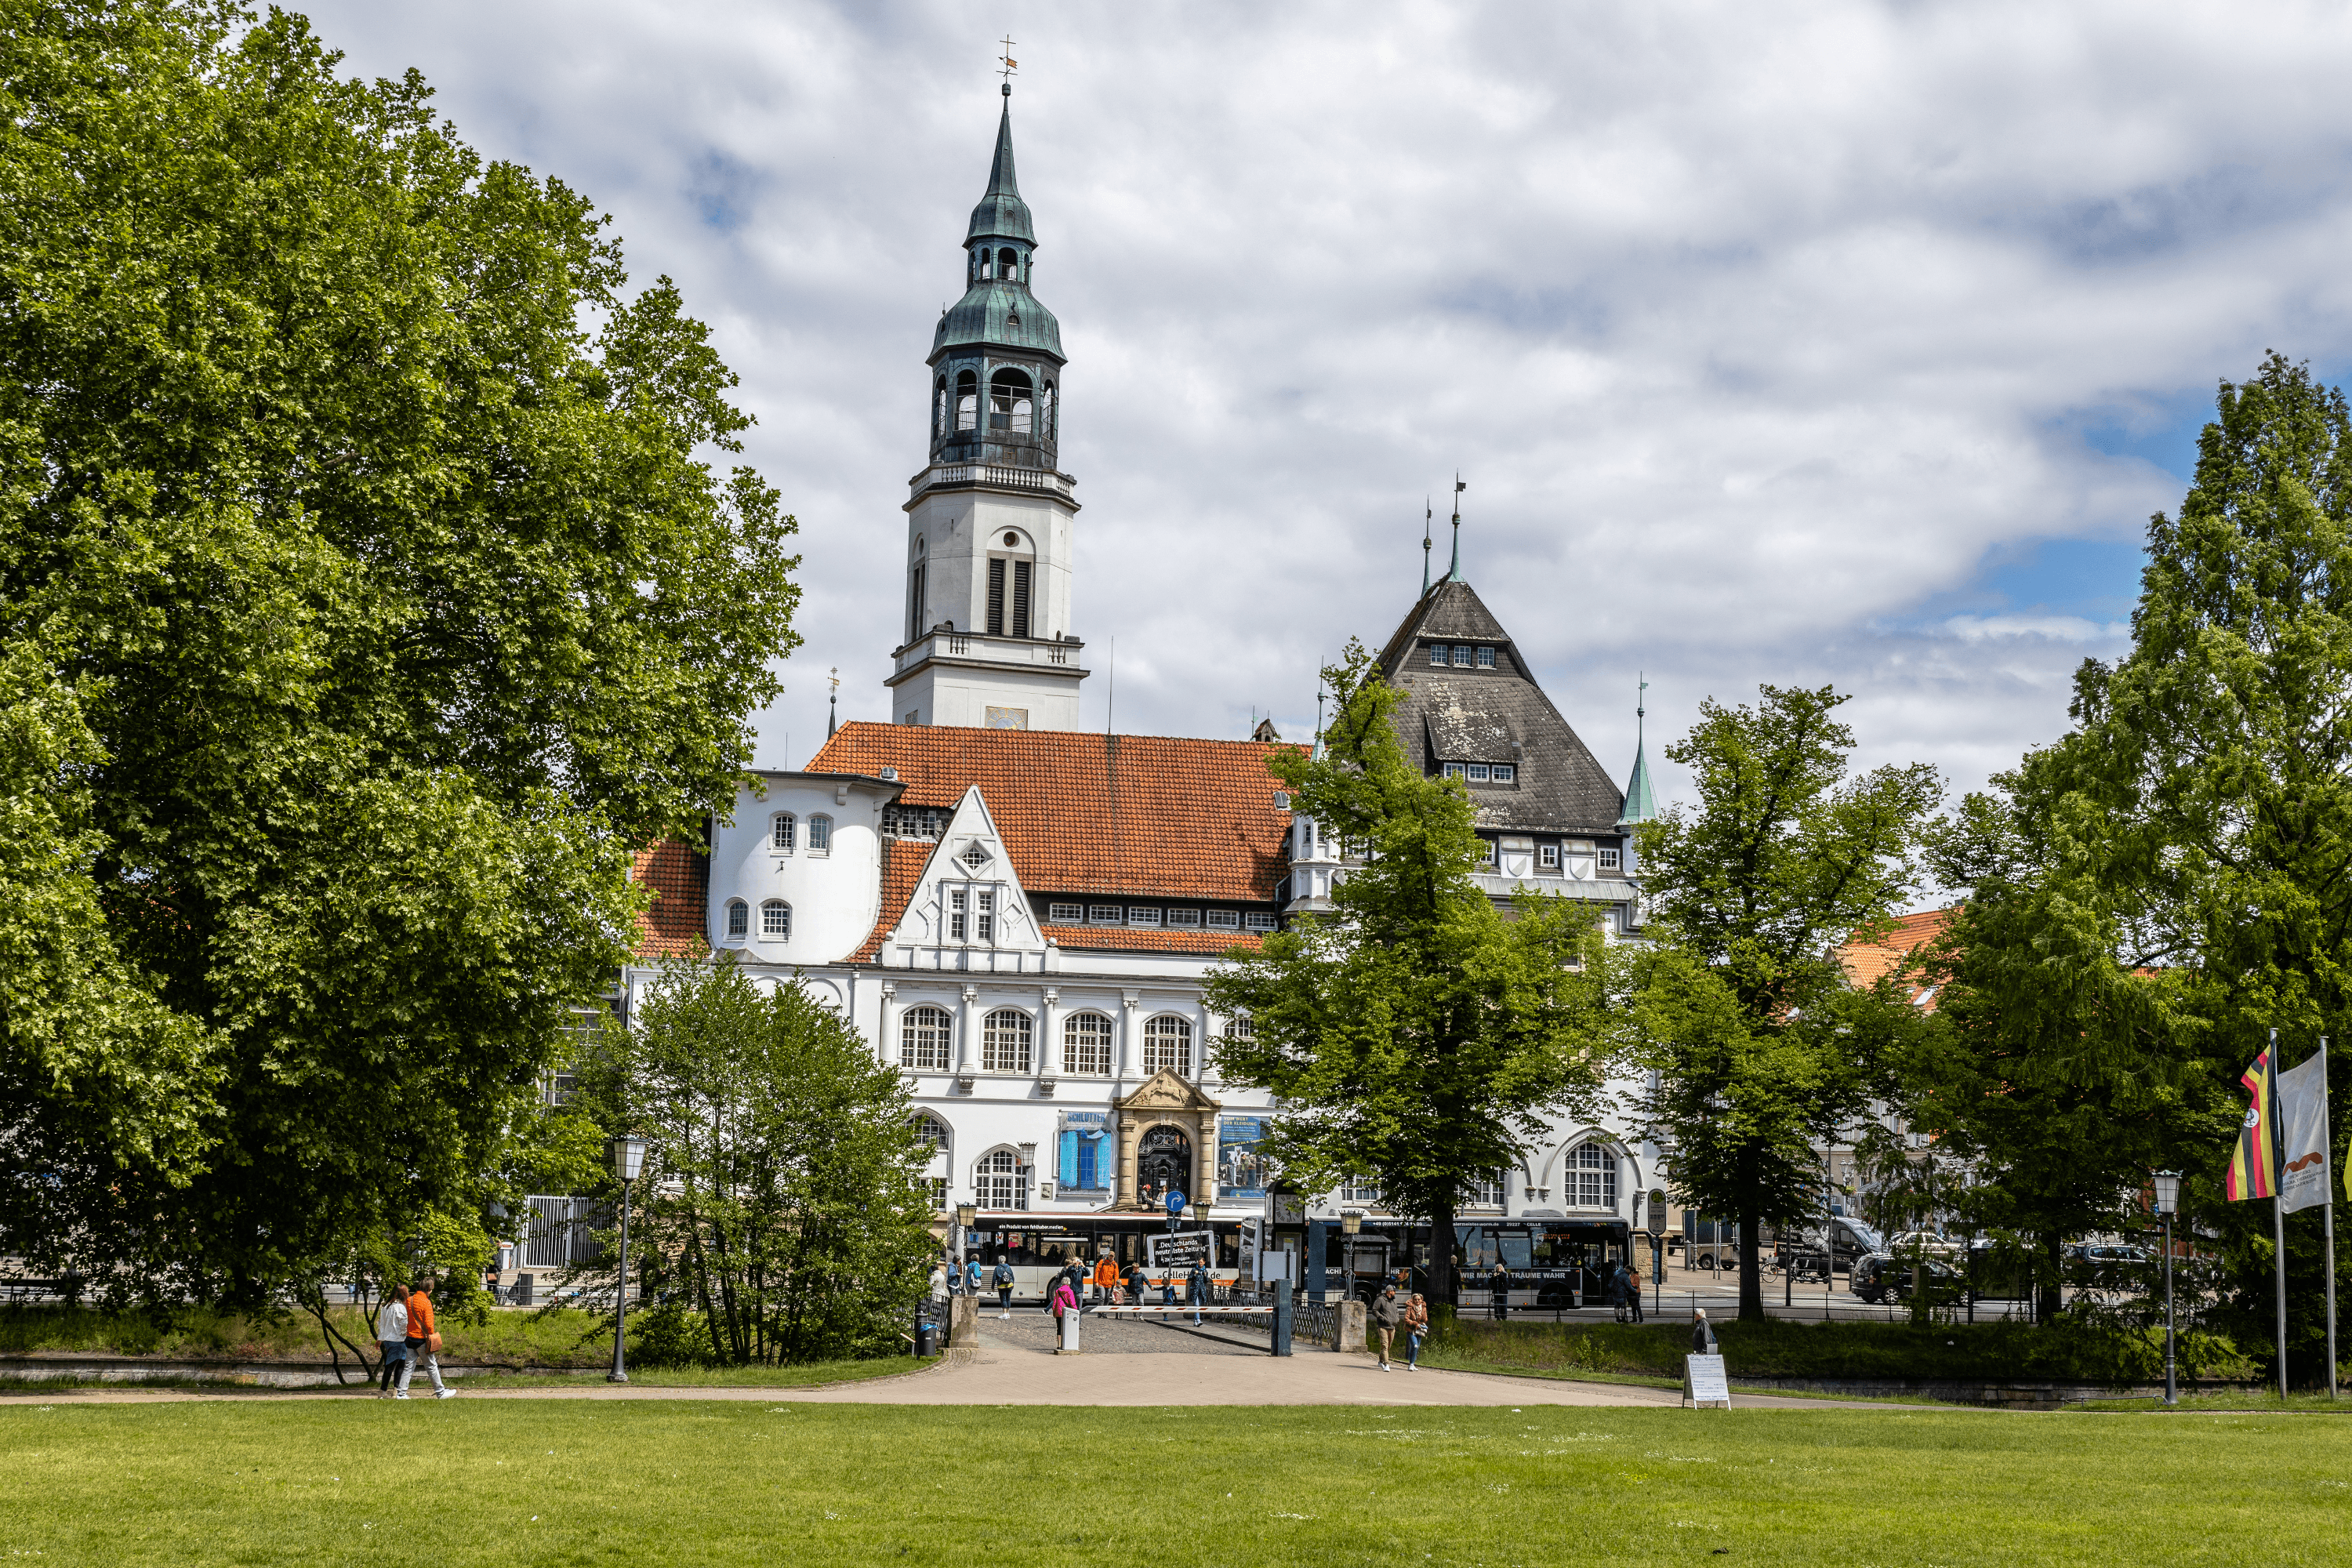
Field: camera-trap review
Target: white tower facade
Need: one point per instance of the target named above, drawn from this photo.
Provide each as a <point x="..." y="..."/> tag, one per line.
<point x="991" y="521"/>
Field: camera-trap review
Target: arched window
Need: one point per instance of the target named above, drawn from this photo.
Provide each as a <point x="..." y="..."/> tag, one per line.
<point x="1004" y="1041"/>
<point x="820" y="835"/>
<point x="923" y="1035"/>
<point x="1239" y="1027"/>
<point x="1008" y="403"/>
<point x="1592" y="1171"/>
<point x="1168" y="1043"/>
<point x="776" y="920"/>
<point x="1046" y="415"/>
<point x="939" y="410"/>
<point x="933" y="1131"/>
<point x="967" y="400"/>
<point x="1008" y="263"/>
<point x="738" y="920"/>
<point x="780" y="831"/>
<point x="996" y="1181"/>
<point x="1086" y="1045"/>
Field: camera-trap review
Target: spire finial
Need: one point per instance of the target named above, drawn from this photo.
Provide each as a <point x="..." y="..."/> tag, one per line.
<point x="832" y="705"/>
<point x="1428" y="516"/>
<point x="1010" y="64"/>
<point x="1455" y="575"/>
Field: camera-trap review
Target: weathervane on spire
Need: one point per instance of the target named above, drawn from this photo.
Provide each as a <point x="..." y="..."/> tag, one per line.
<point x="1428" y="516"/>
<point x="832" y="705"/>
<point x="1010" y="65"/>
<point x="1455" y="575"/>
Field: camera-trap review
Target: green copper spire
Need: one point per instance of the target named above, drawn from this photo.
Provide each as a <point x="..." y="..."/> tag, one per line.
<point x="1640" y="805"/>
<point x="1001" y="214"/>
<point x="1428" y="516"/>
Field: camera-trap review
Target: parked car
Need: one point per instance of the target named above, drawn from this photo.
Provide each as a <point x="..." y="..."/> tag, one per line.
<point x="1933" y="1243"/>
<point x="1880" y="1276"/>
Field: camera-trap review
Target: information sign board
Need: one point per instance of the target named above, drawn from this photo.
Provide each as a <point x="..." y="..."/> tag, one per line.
<point x="1177" y="1249"/>
<point x="1705" y="1382"/>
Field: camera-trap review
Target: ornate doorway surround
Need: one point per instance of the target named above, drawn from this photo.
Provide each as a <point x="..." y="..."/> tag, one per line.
<point x="1164" y="1100"/>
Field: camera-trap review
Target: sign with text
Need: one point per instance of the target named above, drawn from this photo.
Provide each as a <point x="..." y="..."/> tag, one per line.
<point x="1179" y="1249"/>
<point x="1705" y="1382"/>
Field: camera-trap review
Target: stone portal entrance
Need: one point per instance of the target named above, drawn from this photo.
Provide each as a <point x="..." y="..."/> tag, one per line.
<point x="1166" y="1135"/>
<point x="1163" y="1159"/>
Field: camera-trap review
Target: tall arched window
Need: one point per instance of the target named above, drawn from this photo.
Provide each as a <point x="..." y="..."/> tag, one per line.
<point x="932" y="1131"/>
<point x="996" y="1181"/>
<point x="923" y="1036"/>
<point x="738" y="920"/>
<point x="1008" y="263"/>
<point x="1168" y="1043"/>
<point x="820" y="835"/>
<point x="1086" y="1045"/>
<point x="776" y="920"/>
<point x="779" y="832"/>
<point x="1045" y="414"/>
<point x="1009" y="404"/>
<point x="1592" y="1171"/>
<point x="967" y="400"/>
<point x="939" y="410"/>
<point x="1004" y="1041"/>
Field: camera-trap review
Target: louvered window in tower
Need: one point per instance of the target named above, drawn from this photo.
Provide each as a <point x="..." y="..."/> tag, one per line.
<point x="996" y="596"/>
<point x="1021" y="570"/>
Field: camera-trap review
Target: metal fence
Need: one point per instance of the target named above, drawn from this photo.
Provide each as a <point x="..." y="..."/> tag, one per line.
<point x="562" y="1233"/>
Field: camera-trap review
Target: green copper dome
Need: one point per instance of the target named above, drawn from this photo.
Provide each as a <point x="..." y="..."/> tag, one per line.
<point x="998" y="312"/>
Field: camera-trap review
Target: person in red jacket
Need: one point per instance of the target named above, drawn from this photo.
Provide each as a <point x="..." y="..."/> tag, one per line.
<point x="424" y="1343"/>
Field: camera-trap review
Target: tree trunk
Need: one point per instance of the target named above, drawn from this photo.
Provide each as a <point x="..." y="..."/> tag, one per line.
<point x="1441" y="1283"/>
<point x="1751" y="1265"/>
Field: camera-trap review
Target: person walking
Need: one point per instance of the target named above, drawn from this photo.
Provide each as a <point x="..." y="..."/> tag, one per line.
<point x="972" y="1276"/>
<point x="392" y="1341"/>
<point x="1001" y="1278"/>
<point x="1499" y="1283"/>
<point x="1416" y="1329"/>
<point x="1106" y="1280"/>
<point x="423" y="1342"/>
<point x="1633" y="1294"/>
<point x="1617" y="1290"/>
<point x="1702" y="1333"/>
<point x="1388" y="1315"/>
<point x="1196" y="1286"/>
<point x="1065" y="1300"/>
<point x="1138" y="1286"/>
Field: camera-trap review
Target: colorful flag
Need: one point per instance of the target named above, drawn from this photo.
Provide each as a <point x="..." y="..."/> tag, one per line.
<point x="2303" y="1134"/>
<point x="2254" y="1167"/>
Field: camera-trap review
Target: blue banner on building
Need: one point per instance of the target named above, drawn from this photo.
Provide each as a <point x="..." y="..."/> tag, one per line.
<point x="1085" y="1159"/>
<point x="1241" y="1163"/>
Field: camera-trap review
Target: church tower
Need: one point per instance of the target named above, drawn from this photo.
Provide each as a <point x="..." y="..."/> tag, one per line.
<point x="986" y="636"/>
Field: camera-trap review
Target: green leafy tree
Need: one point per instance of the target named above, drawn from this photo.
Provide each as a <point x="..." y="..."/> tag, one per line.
<point x="2198" y="819"/>
<point x="781" y="1204"/>
<point x="1756" y="1045"/>
<point x="365" y="595"/>
<point x="1417" y="1033"/>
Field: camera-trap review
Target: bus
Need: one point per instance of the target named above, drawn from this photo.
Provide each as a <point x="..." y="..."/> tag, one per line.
<point x="1551" y="1262"/>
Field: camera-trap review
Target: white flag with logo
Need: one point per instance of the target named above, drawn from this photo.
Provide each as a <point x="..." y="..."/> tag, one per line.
<point x="2303" y="1134"/>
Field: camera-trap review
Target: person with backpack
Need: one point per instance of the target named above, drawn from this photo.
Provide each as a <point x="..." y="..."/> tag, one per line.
<point x="972" y="1276"/>
<point x="422" y="1342"/>
<point x="1003" y="1279"/>
<point x="392" y="1341"/>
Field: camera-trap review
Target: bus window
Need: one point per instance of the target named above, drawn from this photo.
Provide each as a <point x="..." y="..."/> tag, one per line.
<point x="1511" y="1242"/>
<point x="1551" y="1250"/>
<point x="1477" y="1252"/>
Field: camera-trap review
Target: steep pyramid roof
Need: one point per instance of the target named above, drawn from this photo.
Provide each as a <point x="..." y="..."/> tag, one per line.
<point x="1493" y="715"/>
<point x="1001" y="214"/>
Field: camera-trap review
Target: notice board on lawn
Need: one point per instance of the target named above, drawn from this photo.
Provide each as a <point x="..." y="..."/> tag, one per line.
<point x="1704" y="1385"/>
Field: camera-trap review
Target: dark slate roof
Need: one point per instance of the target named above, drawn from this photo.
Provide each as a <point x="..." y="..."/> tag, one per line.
<point x="1497" y="715"/>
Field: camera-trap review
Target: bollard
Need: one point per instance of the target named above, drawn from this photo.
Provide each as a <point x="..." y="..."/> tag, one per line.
<point x="1070" y="1345"/>
<point x="1282" y="1317"/>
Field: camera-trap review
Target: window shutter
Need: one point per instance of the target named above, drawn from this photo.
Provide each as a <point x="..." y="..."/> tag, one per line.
<point x="1020" y="598"/>
<point x="996" y="598"/>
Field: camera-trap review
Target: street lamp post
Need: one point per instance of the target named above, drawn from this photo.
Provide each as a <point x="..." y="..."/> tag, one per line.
<point x="2168" y="1204"/>
<point x="627" y="1154"/>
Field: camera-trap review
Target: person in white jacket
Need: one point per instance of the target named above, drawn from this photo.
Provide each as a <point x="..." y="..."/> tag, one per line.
<point x="392" y="1338"/>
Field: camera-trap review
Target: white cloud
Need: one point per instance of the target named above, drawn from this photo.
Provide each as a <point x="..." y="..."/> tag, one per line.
<point x="1755" y="330"/>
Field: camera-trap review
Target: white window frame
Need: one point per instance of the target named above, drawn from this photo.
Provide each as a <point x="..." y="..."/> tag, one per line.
<point x="1007" y="1041"/>
<point x="1438" y="654"/>
<point x="1485" y="658"/>
<point x="1477" y="772"/>
<point x="958" y="907"/>
<point x="926" y="1039"/>
<point x="1260" y="920"/>
<point x="1086" y="1044"/>
<point x="820" y="835"/>
<point x="1457" y="770"/>
<point x="1462" y="656"/>
<point x="1143" y="915"/>
<point x="1066" y="914"/>
<point x="1224" y="920"/>
<point x="739" y="920"/>
<point x="996" y="1181"/>
<point x="1547" y="857"/>
<point x="1612" y="859"/>
<point x="775" y="920"/>
<point x="1506" y="773"/>
<point x="1168" y="1043"/>
<point x="1190" y="919"/>
<point x="1591" y="1165"/>
<point x="783" y="832"/>
<point x="1105" y="914"/>
<point x="983" y="915"/>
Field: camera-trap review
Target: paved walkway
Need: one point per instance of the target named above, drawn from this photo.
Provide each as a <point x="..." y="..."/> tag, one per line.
<point x="1017" y="1368"/>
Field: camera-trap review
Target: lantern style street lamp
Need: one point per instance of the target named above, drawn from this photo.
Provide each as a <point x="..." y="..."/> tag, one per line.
<point x="2168" y="1204"/>
<point x="628" y="1155"/>
<point x="964" y="1216"/>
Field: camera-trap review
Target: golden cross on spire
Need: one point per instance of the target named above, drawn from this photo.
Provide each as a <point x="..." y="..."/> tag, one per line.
<point x="1010" y="65"/>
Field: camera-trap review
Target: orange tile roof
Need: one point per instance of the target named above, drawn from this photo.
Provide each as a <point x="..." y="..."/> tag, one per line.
<point x="1122" y="938"/>
<point x="1121" y="816"/>
<point x="680" y="875"/>
<point x="903" y="860"/>
<point x="1867" y="963"/>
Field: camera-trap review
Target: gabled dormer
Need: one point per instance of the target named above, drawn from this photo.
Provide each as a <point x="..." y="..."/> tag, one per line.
<point x="968" y="911"/>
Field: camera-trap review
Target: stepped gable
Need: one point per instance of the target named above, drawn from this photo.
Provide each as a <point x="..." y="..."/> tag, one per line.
<point x="1118" y="816"/>
<point x="1497" y="715"/>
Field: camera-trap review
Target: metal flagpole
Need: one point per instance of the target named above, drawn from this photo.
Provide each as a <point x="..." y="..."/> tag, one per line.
<point x="2278" y="1246"/>
<point x="2327" y="1216"/>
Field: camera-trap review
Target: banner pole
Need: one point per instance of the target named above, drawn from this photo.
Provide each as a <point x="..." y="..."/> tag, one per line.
<point x="2328" y="1143"/>
<point x="2278" y="1255"/>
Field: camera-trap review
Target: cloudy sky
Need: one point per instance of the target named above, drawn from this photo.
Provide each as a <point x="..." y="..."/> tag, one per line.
<point x="1807" y="343"/>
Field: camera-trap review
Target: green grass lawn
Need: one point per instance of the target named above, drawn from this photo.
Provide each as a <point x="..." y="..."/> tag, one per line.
<point x="359" y="1481"/>
<point x="800" y="1376"/>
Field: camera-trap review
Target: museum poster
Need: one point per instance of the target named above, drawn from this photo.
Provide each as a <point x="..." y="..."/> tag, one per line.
<point x="1084" y="1156"/>
<point x="1241" y="1163"/>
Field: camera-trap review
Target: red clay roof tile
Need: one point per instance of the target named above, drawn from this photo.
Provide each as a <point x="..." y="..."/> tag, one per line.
<point x="1120" y="939"/>
<point x="680" y="875"/>
<point x="903" y="860"/>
